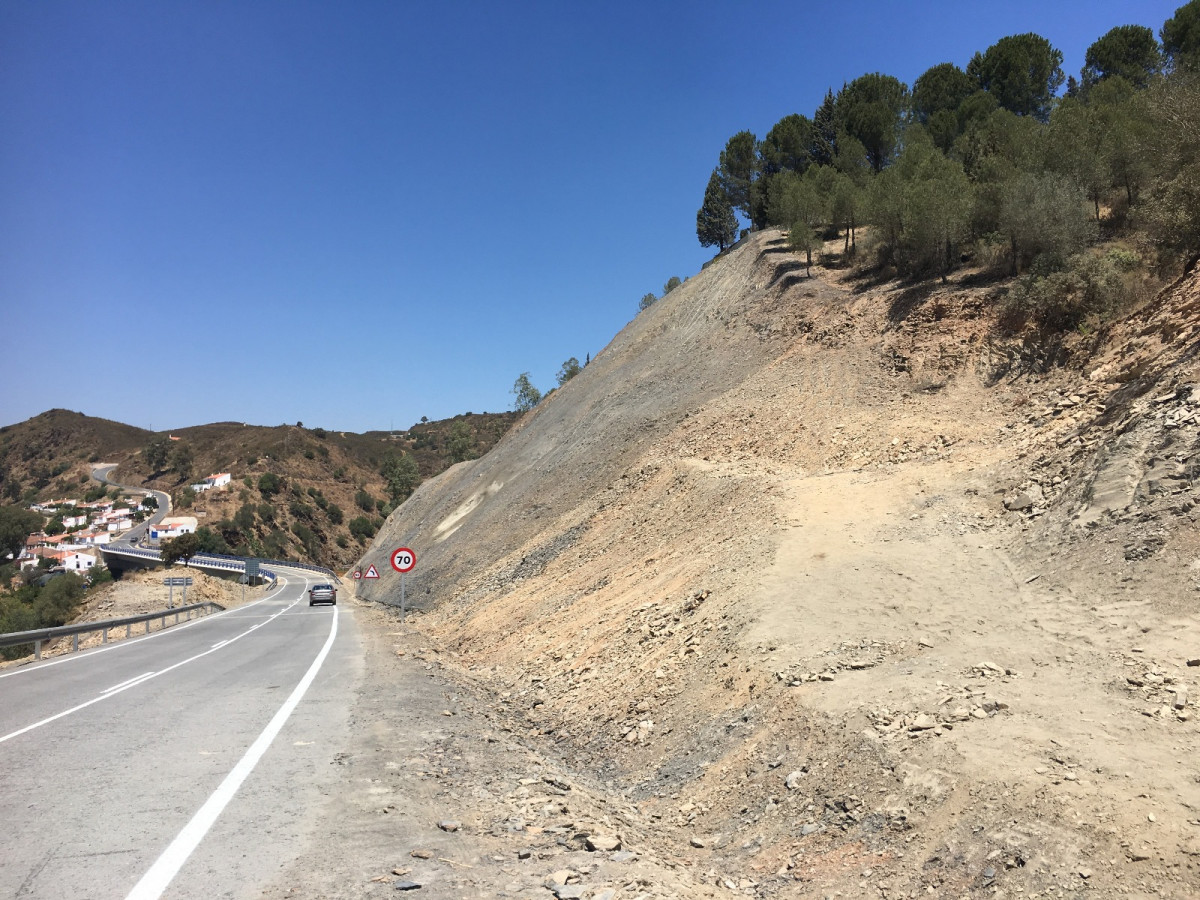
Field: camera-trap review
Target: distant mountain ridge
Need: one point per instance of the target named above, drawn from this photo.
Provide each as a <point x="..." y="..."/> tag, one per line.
<point x="326" y="479"/>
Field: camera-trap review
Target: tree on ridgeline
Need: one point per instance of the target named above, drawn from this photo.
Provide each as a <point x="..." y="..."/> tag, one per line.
<point x="1127" y="51"/>
<point x="569" y="370"/>
<point x="869" y="108"/>
<point x="824" y="131"/>
<point x="936" y="98"/>
<point x="739" y="167"/>
<point x="716" y="225"/>
<point x="525" y="395"/>
<point x="1181" y="37"/>
<point x="1022" y="71"/>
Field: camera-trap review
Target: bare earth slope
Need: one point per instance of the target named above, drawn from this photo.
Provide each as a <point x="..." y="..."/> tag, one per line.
<point x="836" y="592"/>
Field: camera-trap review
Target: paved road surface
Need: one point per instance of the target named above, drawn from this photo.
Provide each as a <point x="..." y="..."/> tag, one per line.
<point x="115" y="762"/>
<point x="134" y="535"/>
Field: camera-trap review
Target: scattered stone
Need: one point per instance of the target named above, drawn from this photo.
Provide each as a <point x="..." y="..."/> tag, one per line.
<point x="1085" y="873"/>
<point x="449" y="825"/>
<point x="602" y="843"/>
<point x="446" y="712"/>
<point x="568" y="892"/>
<point x="1018" y="501"/>
<point x="809" y="828"/>
<point x="562" y="876"/>
<point x="697" y="843"/>
<point x="422" y="854"/>
<point x="407" y="885"/>
<point x="1138" y="855"/>
<point x="1194" y="661"/>
<point x="606" y="894"/>
<point x="524" y="853"/>
<point x="622" y="856"/>
<point x="923" y="722"/>
<point x="557" y="782"/>
<point x="793" y="780"/>
<point x="1180" y="697"/>
<point x="989" y="873"/>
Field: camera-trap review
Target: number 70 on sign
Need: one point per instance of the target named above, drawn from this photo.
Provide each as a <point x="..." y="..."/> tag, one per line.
<point x="404" y="560"/>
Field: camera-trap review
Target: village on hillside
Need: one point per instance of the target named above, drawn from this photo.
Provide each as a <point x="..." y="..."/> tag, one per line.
<point x="77" y="529"/>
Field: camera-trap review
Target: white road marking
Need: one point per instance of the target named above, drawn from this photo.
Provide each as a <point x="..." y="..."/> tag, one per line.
<point x="117" y="645"/>
<point x="119" y="689"/>
<point x="167" y="866"/>
<point x="124" y="684"/>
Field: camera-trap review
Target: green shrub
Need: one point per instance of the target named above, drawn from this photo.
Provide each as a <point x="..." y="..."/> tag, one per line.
<point x="362" y="528"/>
<point x="1055" y="300"/>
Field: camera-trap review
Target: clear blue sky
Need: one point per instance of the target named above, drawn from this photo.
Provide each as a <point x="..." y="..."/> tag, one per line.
<point x="356" y="214"/>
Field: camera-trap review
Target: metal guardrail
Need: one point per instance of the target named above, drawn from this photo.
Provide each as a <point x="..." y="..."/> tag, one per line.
<point x="39" y="635"/>
<point x="223" y="561"/>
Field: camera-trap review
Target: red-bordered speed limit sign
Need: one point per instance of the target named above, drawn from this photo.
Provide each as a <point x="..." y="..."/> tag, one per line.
<point x="404" y="560"/>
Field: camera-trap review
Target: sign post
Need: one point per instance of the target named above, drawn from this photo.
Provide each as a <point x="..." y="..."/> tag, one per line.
<point x="171" y="584"/>
<point x="251" y="572"/>
<point x="403" y="561"/>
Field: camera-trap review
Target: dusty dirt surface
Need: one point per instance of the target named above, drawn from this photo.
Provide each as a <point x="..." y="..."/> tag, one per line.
<point x="440" y="792"/>
<point x="814" y="587"/>
<point x="143" y="592"/>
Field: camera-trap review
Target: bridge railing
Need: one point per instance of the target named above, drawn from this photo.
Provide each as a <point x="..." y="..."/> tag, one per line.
<point x="38" y="636"/>
<point x="223" y="561"/>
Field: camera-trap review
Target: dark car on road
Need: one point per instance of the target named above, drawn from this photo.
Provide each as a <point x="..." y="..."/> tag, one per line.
<point x="322" y="593"/>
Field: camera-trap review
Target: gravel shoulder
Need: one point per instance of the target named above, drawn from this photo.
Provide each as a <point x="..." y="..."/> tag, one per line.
<point x="438" y="790"/>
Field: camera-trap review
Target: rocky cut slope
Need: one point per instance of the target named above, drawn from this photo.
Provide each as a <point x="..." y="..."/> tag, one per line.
<point x="835" y="595"/>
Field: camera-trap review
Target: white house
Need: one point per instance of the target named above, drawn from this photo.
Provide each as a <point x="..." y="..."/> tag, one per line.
<point x="213" y="481"/>
<point x="74" y="521"/>
<point x="172" y="528"/>
<point x="75" y="562"/>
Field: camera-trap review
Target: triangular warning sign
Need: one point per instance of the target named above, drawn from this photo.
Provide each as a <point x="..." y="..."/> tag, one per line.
<point x="371" y="572"/>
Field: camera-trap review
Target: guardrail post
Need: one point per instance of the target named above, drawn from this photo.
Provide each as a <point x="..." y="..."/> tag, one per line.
<point x="128" y="629"/>
<point x="37" y="649"/>
<point x="104" y="637"/>
<point x="74" y="643"/>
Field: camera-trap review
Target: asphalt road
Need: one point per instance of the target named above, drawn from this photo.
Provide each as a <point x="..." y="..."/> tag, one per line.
<point x="101" y="473"/>
<point x="188" y="764"/>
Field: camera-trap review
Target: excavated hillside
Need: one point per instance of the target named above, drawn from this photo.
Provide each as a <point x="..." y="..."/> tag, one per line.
<point x="829" y="588"/>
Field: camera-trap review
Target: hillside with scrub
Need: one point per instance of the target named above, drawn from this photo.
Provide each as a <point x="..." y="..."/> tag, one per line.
<point x="1087" y="199"/>
<point x="295" y="493"/>
<point x="865" y="560"/>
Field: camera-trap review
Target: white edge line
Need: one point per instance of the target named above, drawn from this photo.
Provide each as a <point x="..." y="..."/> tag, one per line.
<point x="121" y="688"/>
<point x="167" y="866"/>
<point x="129" y="642"/>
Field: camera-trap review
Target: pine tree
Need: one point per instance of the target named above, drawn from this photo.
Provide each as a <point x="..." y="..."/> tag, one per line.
<point x="716" y="225"/>
<point x="824" y="131"/>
